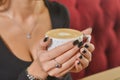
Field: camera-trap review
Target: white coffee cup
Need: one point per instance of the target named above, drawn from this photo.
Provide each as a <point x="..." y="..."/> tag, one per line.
<point x="63" y="35"/>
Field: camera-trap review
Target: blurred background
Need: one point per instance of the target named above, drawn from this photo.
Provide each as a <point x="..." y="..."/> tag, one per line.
<point x="104" y="17"/>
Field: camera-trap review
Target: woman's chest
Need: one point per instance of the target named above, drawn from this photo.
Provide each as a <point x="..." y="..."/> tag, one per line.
<point x="17" y="42"/>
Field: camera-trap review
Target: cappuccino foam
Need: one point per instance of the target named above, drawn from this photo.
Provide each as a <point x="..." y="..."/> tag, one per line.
<point x="63" y="33"/>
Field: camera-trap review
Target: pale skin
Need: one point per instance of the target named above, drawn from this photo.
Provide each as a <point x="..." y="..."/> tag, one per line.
<point x="35" y="49"/>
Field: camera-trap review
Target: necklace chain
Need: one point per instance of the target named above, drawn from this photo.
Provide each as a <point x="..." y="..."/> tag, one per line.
<point x="28" y="34"/>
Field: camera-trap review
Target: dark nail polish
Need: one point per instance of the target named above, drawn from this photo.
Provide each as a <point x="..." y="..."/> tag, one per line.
<point x="85" y="38"/>
<point x="45" y="39"/>
<point x="84" y="51"/>
<point x="80" y="44"/>
<point x="78" y="63"/>
<point x="81" y="57"/>
<point x="86" y="46"/>
<point x="75" y="42"/>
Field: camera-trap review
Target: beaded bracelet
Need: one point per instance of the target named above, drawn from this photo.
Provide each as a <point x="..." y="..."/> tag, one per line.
<point x="31" y="77"/>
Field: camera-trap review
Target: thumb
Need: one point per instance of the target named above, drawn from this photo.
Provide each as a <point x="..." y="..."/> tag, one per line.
<point x="87" y="34"/>
<point x="41" y="47"/>
<point x="87" y="31"/>
<point x="44" y="43"/>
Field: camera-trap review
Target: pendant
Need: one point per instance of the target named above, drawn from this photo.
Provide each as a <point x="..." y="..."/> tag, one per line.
<point x="28" y="36"/>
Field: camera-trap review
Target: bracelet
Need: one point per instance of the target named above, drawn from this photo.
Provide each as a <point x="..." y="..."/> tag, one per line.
<point x="31" y="77"/>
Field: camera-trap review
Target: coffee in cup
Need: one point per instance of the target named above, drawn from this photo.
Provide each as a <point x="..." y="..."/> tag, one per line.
<point x="63" y="35"/>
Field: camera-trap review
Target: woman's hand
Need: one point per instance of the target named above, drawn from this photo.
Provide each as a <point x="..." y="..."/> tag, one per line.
<point x="56" y="62"/>
<point x="85" y="54"/>
<point x="65" y="58"/>
<point x="60" y="60"/>
<point x="84" y="57"/>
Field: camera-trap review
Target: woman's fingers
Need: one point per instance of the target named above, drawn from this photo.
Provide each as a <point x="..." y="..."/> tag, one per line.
<point x="60" y="50"/>
<point x="67" y="55"/>
<point x="64" y="72"/>
<point x="78" y="66"/>
<point x="65" y="66"/>
<point x="84" y="57"/>
<point x="63" y="58"/>
<point x="87" y="31"/>
<point x="83" y="61"/>
<point x="41" y="47"/>
<point x="86" y="53"/>
<point x="89" y="46"/>
<point x="44" y="43"/>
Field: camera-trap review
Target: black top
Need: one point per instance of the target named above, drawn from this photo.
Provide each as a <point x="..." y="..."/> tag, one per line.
<point x="11" y="67"/>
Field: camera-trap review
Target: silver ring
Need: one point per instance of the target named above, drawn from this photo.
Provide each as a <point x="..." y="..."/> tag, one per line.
<point x="57" y="65"/>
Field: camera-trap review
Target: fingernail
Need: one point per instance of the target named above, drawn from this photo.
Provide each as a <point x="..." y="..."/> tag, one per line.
<point x="78" y="63"/>
<point x="81" y="57"/>
<point x="85" y="39"/>
<point x="84" y="51"/>
<point x="80" y="44"/>
<point x="76" y="42"/>
<point x="86" y="46"/>
<point x="45" y="39"/>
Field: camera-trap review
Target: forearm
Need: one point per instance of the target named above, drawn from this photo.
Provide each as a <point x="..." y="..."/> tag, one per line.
<point x="23" y="76"/>
<point x="35" y="70"/>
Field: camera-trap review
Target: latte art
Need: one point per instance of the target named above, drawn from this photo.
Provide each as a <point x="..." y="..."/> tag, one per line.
<point x="63" y="33"/>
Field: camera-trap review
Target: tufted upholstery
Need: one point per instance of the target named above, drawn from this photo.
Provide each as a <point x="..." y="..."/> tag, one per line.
<point x="104" y="17"/>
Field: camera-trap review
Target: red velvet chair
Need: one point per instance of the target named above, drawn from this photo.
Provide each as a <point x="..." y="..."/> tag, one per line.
<point x="104" y="17"/>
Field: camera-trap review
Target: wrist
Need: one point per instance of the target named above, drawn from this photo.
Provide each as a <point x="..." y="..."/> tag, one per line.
<point x="36" y="70"/>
